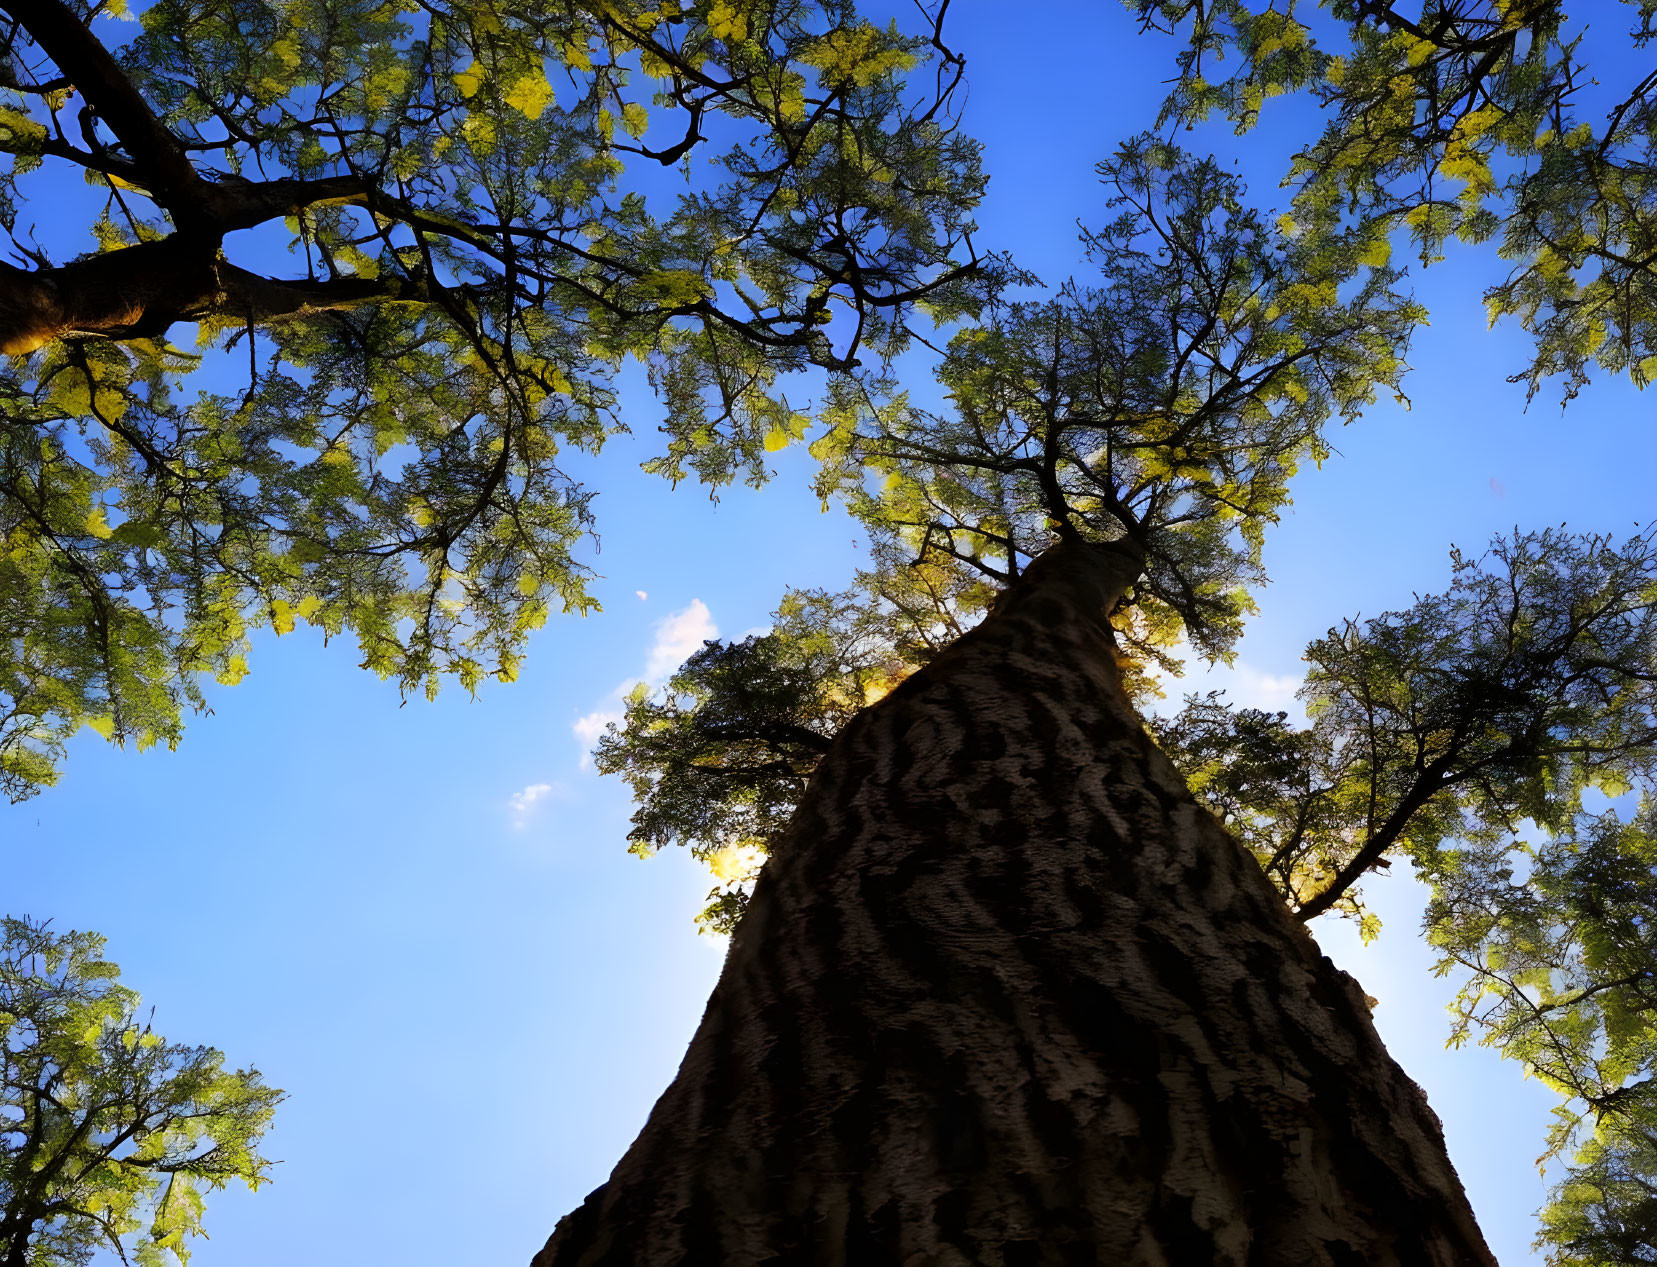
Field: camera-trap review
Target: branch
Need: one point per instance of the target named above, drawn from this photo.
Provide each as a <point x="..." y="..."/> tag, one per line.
<point x="777" y="733"/>
<point x="237" y="204"/>
<point x="64" y="38"/>
<point x="131" y="293"/>
<point x="257" y="298"/>
<point x="140" y="291"/>
<point x="1428" y="785"/>
<point x="104" y="163"/>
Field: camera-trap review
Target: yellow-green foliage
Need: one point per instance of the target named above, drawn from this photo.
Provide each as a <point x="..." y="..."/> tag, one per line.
<point x="390" y="467"/>
<point x="1169" y="405"/>
<point x="1461" y="123"/>
<point x="719" y="758"/>
<point x="114" y="1136"/>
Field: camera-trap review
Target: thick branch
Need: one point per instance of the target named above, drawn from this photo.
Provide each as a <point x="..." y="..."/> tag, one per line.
<point x="64" y="38"/>
<point x="132" y="293"/>
<point x="140" y="291"/>
<point x="1431" y="781"/>
<point x="250" y="296"/>
<point x="236" y="204"/>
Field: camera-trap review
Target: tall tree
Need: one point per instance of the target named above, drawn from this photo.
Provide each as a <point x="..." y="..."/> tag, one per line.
<point x="1004" y="992"/>
<point x="1462" y="119"/>
<point x="464" y="193"/>
<point x="1445" y="734"/>
<point x="111" y="1136"/>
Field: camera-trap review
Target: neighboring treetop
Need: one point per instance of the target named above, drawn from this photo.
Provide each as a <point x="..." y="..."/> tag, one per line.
<point x="1462" y="119"/>
<point x="109" y="1135"/>
<point x="465" y="192"/>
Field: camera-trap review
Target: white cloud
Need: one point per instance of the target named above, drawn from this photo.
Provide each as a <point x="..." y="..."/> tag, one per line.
<point x="1244" y="685"/>
<point x="642" y="595"/>
<point x="589" y="728"/>
<point x="677" y="637"/>
<point x="521" y="801"/>
<point x="524" y="802"/>
<point x="1255" y="689"/>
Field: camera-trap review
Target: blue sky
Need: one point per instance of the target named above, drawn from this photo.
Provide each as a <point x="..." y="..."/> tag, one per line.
<point x="421" y="920"/>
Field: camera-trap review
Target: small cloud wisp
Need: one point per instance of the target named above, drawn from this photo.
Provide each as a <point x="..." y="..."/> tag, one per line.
<point x="678" y="636"/>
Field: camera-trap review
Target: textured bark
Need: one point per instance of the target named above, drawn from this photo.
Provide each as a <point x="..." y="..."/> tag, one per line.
<point x="142" y="291"/>
<point x="136" y="292"/>
<point x="1006" y="995"/>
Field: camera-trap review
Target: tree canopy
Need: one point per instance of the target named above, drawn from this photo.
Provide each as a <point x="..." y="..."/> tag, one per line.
<point x="110" y="1136"/>
<point x="416" y="241"/>
<point x="1167" y="406"/>
<point x="1468" y="120"/>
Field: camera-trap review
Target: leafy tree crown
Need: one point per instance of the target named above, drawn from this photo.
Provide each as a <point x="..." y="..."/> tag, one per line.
<point x="1459" y="120"/>
<point x="110" y="1136"/>
<point x="475" y="242"/>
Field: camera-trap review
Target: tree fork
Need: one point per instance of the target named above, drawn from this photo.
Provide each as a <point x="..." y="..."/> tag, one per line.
<point x="1006" y="994"/>
<point x="139" y="291"/>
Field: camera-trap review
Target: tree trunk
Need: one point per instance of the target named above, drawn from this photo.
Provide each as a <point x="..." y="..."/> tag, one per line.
<point x="1006" y="994"/>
